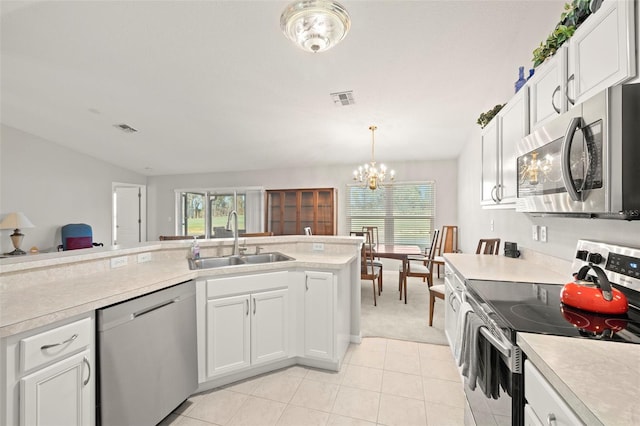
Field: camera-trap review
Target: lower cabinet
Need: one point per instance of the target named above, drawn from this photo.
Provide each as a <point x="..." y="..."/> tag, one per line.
<point x="544" y="404"/>
<point x="319" y="330"/>
<point x="247" y="329"/>
<point x="49" y="375"/>
<point x="58" y="394"/>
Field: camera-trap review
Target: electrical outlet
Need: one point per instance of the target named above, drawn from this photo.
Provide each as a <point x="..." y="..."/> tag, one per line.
<point x="491" y="224"/>
<point x="144" y="257"/>
<point x="117" y="262"/>
<point x="318" y="246"/>
<point x="543" y="234"/>
<point x="534" y="232"/>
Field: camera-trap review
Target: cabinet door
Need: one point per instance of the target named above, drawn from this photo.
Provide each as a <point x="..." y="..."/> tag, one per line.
<point x="269" y="326"/>
<point x="547" y="90"/>
<point x="318" y="315"/>
<point x="514" y="125"/>
<point x="308" y="211"/>
<point x="602" y="50"/>
<point x="228" y="334"/>
<point x="275" y="210"/>
<point x="490" y="162"/>
<point x="59" y="394"/>
<point x="325" y="217"/>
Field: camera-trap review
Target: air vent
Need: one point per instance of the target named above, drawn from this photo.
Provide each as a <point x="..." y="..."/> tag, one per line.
<point x="125" y="128"/>
<point x="343" y="98"/>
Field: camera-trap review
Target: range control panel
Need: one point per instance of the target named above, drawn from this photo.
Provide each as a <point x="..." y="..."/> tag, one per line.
<point x="621" y="264"/>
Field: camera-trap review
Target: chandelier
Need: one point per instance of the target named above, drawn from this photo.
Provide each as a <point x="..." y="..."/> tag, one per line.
<point x="315" y="25"/>
<point x="368" y="174"/>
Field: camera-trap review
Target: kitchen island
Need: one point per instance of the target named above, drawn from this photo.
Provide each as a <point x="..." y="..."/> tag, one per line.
<point x="48" y="318"/>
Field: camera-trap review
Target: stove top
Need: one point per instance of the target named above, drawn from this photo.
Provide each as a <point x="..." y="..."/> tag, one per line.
<point x="536" y="308"/>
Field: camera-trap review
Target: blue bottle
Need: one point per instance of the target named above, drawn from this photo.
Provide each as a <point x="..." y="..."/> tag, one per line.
<point x="521" y="81"/>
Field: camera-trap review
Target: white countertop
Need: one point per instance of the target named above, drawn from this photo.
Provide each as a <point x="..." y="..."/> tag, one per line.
<point x="501" y="268"/>
<point x="599" y="380"/>
<point x="61" y="292"/>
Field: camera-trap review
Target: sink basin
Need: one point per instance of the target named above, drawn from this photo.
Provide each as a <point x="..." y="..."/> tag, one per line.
<point x="249" y="259"/>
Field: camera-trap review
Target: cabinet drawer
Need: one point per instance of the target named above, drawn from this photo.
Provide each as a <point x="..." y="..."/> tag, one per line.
<point x="544" y="401"/>
<point x="53" y="344"/>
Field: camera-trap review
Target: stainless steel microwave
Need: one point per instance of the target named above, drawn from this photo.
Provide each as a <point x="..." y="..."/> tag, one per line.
<point x="585" y="162"/>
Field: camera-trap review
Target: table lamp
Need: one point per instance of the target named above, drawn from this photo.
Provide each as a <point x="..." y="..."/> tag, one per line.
<point x="16" y="221"/>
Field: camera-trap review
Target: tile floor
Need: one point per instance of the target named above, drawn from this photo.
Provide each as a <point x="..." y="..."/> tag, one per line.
<point x="382" y="382"/>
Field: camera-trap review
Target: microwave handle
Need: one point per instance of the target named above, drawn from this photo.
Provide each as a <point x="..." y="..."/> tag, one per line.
<point x="567" y="179"/>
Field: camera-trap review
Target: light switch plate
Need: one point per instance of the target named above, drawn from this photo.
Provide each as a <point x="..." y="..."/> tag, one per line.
<point x="534" y="232"/>
<point x="543" y="234"/>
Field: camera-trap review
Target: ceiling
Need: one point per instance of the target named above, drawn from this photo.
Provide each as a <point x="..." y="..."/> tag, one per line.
<point x="215" y="86"/>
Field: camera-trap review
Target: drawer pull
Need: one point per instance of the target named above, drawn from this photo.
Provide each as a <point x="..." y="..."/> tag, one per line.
<point x="551" y="419"/>
<point x="69" y="340"/>
<point x="86" y="361"/>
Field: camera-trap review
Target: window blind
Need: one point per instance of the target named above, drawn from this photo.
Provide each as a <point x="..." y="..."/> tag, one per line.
<point x="403" y="212"/>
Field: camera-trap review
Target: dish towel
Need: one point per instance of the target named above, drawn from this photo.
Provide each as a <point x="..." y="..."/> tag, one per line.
<point x="465" y="308"/>
<point x="470" y="353"/>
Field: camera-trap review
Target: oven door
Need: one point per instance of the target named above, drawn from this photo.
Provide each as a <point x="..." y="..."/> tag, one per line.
<point x="495" y="393"/>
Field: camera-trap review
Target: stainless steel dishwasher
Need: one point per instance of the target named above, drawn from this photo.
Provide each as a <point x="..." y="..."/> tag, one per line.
<point x="147" y="356"/>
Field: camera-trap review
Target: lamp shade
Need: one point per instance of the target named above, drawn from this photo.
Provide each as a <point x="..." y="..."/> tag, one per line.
<point x="15" y="220"/>
<point x="315" y="25"/>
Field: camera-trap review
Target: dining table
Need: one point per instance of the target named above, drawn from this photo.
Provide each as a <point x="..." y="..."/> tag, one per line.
<point x="399" y="252"/>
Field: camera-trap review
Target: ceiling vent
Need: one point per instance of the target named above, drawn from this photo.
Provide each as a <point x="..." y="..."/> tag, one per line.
<point x="343" y="98"/>
<point x="125" y="128"/>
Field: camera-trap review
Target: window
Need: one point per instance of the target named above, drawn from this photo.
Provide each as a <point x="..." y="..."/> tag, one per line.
<point x="403" y="212"/>
<point x="206" y="212"/>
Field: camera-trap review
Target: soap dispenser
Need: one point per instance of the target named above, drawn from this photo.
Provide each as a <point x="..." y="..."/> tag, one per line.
<point x="195" y="249"/>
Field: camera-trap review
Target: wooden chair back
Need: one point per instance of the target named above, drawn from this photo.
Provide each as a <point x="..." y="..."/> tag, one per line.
<point x="488" y="246"/>
<point x="373" y="234"/>
<point x="448" y="240"/>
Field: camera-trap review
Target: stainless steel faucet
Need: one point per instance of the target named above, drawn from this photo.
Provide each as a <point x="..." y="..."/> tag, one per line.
<point x="235" y="231"/>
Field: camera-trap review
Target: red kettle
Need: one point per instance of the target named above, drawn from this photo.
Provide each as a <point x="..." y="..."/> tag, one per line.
<point x="597" y="296"/>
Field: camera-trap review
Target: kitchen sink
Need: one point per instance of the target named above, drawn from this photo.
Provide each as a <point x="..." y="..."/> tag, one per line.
<point x="249" y="259"/>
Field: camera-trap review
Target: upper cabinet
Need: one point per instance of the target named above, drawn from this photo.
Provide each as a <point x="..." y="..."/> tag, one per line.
<point x="602" y="51"/>
<point x="499" y="138"/>
<point x="600" y="54"/>
<point x="547" y="89"/>
<point x="290" y="211"/>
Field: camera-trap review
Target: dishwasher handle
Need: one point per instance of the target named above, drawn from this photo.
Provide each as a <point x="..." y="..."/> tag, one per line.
<point x="155" y="308"/>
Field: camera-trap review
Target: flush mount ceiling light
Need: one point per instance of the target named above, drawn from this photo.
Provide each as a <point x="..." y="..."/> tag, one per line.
<point x="368" y="174"/>
<point x="315" y="25"/>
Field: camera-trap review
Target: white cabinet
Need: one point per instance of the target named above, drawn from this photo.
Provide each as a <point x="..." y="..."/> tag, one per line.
<point x="60" y="394"/>
<point x="602" y="51"/>
<point x="499" y="138"/>
<point x="49" y="375"/>
<point x="247" y="322"/>
<point x="601" y="54"/>
<point x="545" y="405"/>
<point x="228" y="334"/>
<point x="319" y="330"/>
<point x="547" y="90"/>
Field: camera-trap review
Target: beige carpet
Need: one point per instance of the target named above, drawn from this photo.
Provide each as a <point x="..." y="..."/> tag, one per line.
<point x="393" y="319"/>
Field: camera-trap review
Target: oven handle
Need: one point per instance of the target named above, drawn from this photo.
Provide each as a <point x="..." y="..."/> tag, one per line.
<point x="501" y="347"/>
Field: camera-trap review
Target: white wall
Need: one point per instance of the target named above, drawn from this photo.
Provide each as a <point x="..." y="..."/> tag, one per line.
<point x="562" y="233"/>
<point x="54" y="186"/>
<point x="161" y="189"/>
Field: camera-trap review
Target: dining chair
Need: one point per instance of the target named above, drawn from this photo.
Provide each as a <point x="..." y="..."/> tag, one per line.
<point x="448" y="244"/>
<point x="371" y="238"/>
<point x="420" y="267"/>
<point x="488" y="246"/>
<point x="368" y="270"/>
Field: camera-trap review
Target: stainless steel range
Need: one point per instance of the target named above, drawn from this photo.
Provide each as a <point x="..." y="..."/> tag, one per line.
<point x="494" y="383"/>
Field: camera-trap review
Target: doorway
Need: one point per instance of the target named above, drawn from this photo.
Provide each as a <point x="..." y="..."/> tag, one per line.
<point x="129" y="223"/>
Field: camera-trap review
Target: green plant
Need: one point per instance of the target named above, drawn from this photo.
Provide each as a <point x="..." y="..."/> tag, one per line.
<point x="575" y="13"/>
<point x="486" y="117"/>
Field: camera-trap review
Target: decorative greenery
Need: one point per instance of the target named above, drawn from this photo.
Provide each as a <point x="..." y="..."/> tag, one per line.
<point x="574" y="15"/>
<point x="486" y="117"/>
